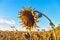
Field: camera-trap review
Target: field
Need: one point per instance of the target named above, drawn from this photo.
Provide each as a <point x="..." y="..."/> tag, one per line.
<point x="35" y="35"/>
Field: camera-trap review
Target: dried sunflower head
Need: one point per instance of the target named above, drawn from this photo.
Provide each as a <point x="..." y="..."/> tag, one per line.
<point x="28" y="18"/>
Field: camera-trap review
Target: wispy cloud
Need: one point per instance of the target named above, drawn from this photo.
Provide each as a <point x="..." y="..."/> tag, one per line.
<point x="5" y="27"/>
<point x="5" y="24"/>
<point x="6" y="21"/>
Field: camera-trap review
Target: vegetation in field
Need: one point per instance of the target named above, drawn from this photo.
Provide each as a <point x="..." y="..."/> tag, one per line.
<point x="34" y="35"/>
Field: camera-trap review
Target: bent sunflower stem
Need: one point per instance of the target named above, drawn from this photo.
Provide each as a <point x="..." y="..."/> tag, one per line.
<point x="51" y="24"/>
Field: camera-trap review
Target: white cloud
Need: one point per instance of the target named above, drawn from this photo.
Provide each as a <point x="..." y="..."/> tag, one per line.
<point x="6" y="21"/>
<point x="5" y="27"/>
<point x="5" y="24"/>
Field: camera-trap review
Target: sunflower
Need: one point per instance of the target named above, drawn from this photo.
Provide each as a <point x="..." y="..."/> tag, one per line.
<point x="28" y="18"/>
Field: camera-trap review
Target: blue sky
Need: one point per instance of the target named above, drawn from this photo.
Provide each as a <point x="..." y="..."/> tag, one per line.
<point x="9" y="10"/>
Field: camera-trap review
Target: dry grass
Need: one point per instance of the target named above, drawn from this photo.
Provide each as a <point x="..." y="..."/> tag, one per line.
<point x="22" y="35"/>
